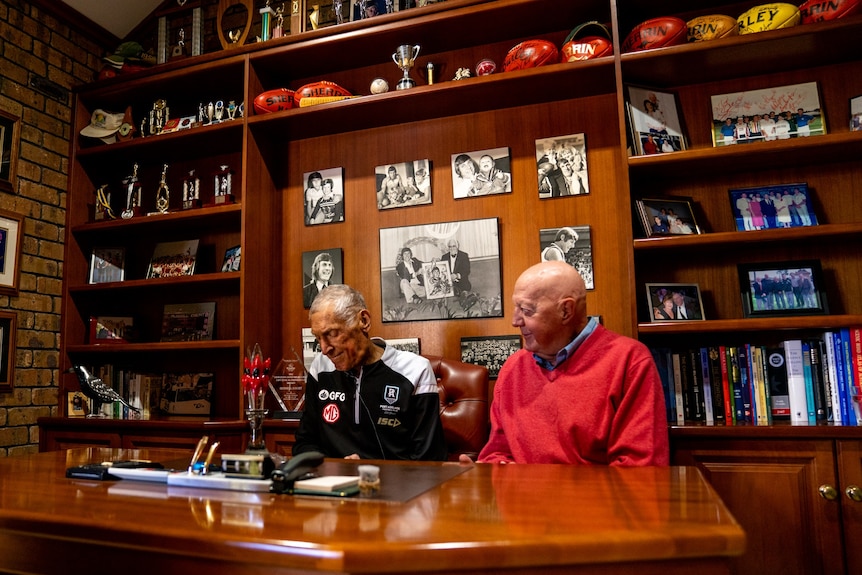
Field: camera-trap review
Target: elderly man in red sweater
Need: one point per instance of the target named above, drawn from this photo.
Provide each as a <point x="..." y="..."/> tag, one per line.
<point x="578" y="393"/>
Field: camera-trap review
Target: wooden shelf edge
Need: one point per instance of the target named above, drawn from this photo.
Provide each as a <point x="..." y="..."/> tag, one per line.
<point x="155" y="347"/>
<point x="183" y="216"/>
<point x="728" y="239"/>
<point x="157" y="282"/>
<point x="824" y="322"/>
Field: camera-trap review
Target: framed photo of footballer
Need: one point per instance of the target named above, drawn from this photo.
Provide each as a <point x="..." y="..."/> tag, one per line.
<point x="767" y="115"/>
<point x="403" y="185"/>
<point x="668" y="216"/>
<point x="441" y="271"/>
<point x="481" y="173"/>
<point x="571" y="244"/>
<point x="771" y="207"/>
<point x="561" y="165"/>
<point x="323" y="199"/>
<point x="320" y="268"/>
<point x="674" y="302"/>
<point x="785" y="288"/>
<point x="655" y="120"/>
<point x="856" y="114"/>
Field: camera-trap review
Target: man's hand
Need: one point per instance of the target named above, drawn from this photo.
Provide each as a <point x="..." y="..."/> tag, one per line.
<point x="352" y="456"/>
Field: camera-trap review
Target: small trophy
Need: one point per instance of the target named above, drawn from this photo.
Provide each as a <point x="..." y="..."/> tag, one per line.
<point x="102" y="208"/>
<point x="289" y="377"/>
<point x="163" y="194"/>
<point x="404" y="57"/>
<point x="133" y="195"/>
<point x="223" y="183"/>
<point x="191" y="191"/>
<point x="158" y="116"/>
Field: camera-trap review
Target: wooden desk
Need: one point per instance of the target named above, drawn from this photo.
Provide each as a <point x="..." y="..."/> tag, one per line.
<point x="544" y="519"/>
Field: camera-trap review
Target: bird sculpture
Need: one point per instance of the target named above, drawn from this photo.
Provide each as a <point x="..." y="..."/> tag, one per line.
<point x="94" y="388"/>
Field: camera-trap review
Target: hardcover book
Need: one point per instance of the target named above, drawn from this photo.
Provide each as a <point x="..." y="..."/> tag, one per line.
<point x="188" y="321"/>
<point x="794" y="363"/>
<point x="173" y="259"/>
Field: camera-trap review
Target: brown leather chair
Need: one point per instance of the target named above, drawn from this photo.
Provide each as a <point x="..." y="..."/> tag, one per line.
<point x="463" y="405"/>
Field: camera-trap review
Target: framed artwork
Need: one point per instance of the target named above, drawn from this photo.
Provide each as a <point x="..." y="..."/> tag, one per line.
<point x="324" y="196"/>
<point x="11" y="232"/>
<point x="571" y="244"/>
<point x="669" y="216"/>
<point x="782" y="288"/>
<point x="655" y="121"/>
<point x="232" y="259"/>
<point x="491" y="352"/>
<point x="410" y="344"/>
<point x="767" y="115"/>
<point x="188" y="321"/>
<point x="8" y="330"/>
<point x="468" y="250"/>
<point x="402" y="185"/>
<point x="770" y="207"/>
<point x="561" y="165"/>
<point x="856" y="114"/>
<point x="112" y="329"/>
<point x="107" y="265"/>
<point x="674" y="302"/>
<point x="9" y="128"/>
<point x="173" y="259"/>
<point x="481" y="173"/>
<point x="320" y="268"/>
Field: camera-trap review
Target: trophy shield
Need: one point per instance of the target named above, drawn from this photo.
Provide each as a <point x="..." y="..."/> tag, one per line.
<point x="288" y="381"/>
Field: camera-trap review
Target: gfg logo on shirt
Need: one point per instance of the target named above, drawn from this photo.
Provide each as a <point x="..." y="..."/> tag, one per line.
<point x="324" y="395"/>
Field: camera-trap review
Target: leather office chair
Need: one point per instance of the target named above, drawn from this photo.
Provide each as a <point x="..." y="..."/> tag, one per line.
<point x="464" y="408"/>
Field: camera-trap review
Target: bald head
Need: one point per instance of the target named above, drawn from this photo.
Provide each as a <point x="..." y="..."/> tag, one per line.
<point x="555" y="280"/>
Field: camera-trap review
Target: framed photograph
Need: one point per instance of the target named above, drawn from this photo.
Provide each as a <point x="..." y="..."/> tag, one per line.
<point x="469" y="250"/>
<point x="11" y="233"/>
<point x="770" y="207"/>
<point x="669" y="216"/>
<point x="490" y="352"/>
<point x="320" y="268"/>
<point x="402" y="185"/>
<point x="76" y="404"/>
<point x="8" y="332"/>
<point x="107" y="265"/>
<point x="173" y="259"/>
<point x="782" y="288"/>
<point x="9" y="128"/>
<point x="481" y="173"/>
<point x="655" y="119"/>
<point x="324" y="196"/>
<point x="232" y="259"/>
<point x="188" y="321"/>
<point x="767" y="115"/>
<point x="571" y="244"/>
<point x="363" y="9"/>
<point x="674" y="302"/>
<point x="111" y="329"/>
<point x="561" y="165"/>
<point x="410" y="344"/>
<point x="856" y="114"/>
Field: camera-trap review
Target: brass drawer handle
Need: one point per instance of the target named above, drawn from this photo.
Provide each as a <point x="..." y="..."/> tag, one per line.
<point x="854" y="493"/>
<point x="828" y="492"/>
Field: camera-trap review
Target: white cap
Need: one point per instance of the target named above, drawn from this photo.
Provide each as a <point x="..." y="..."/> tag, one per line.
<point x="103" y="125"/>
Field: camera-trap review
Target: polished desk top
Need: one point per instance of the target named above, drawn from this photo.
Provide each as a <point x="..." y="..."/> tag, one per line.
<point x="536" y="518"/>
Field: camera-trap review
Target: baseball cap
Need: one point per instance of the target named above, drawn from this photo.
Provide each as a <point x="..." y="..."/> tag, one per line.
<point x="103" y="125"/>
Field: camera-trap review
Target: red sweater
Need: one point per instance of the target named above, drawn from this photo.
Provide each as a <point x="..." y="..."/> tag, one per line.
<point x="603" y="406"/>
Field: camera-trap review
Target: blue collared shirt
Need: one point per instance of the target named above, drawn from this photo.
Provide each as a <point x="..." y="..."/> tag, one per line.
<point x="569" y="350"/>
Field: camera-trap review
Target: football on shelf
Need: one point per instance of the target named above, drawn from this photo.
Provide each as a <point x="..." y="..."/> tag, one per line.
<point x="274" y="101"/>
<point x="656" y="33"/>
<point x="710" y="27"/>
<point x="531" y="54"/>
<point x="822" y="10"/>
<point x="321" y="89"/>
<point x="767" y="17"/>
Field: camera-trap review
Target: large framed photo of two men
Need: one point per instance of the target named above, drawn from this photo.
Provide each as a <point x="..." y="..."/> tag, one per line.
<point x="448" y="270"/>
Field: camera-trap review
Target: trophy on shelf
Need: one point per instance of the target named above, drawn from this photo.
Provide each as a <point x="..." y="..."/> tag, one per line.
<point x="102" y="208"/>
<point x="163" y="194"/>
<point x="158" y="116"/>
<point x="133" y="195"/>
<point x="289" y="377"/>
<point x="404" y="57"/>
<point x="191" y="191"/>
<point x="223" y="183"/>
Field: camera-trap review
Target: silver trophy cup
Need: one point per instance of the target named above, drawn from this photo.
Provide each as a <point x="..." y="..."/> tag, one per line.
<point x="404" y="57"/>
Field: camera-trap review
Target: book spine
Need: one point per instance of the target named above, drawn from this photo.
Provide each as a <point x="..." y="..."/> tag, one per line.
<point x="758" y="404"/>
<point x="729" y="413"/>
<point x="735" y="384"/>
<point x="811" y="408"/>
<point x="717" y="388"/>
<point x="709" y="411"/>
<point x="677" y="387"/>
<point x="849" y="377"/>
<point x="685" y="383"/>
<point x="794" y="363"/>
<point x="767" y="388"/>
<point x="776" y="373"/>
<point x="856" y="345"/>
<point x="829" y="347"/>
<point x="821" y="400"/>
<point x="745" y="382"/>
<point x="698" y="404"/>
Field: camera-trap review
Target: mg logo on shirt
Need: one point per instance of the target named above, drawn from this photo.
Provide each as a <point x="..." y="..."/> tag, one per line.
<point x="390" y="394"/>
<point x="331" y="413"/>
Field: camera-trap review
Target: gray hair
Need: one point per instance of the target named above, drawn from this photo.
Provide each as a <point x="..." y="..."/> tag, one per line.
<point x="346" y="302"/>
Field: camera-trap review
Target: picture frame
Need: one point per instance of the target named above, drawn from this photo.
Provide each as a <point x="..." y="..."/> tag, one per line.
<point x="10" y="127"/>
<point x="856" y="114"/>
<point x="438" y="280"/>
<point x="767" y="115"/>
<point x="490" y="352"/>
<point x="655" y="121"/>
<point x="561" y="166"/>
<point x="471" y="251"/>
<point x="323" y="198"/>
<point x="320" y="268"/>
<point x="232" y="259"/>
<point x="8" y="334"/>
<point x="111" y="329"/>
<point x="107" y="265"/>
<point x="674" y="302"/>
<point x="411" y="344"/>
<point x="572" y="244"/>
<point x="76" y="405"/>
<point x="188" y="321"/>
<point x="772" y="207"/>
<point x="173" y="259"/>
<point x="404" y="184"/>
<point x="11" y="236"/>
<point x="761" y="296"/>
<point x="667" y="216"/>
<point x="481" y="173"/>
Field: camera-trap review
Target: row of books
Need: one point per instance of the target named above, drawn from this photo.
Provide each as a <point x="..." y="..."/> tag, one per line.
<point x="804" y="381"/>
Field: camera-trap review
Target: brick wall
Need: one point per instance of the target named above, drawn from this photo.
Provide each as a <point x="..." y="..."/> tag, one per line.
<point x="34" y="45"/>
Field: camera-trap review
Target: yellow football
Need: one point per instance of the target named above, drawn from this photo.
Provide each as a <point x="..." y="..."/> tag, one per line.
<point x="711" y="27"/>
<point x="768" y="17"/>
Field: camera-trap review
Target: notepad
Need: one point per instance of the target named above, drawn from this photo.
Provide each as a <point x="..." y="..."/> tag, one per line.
<point x="327" y="483"/>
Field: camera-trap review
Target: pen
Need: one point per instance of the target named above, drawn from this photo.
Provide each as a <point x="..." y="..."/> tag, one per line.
<point x="198" y="450"/>
<point x="209" y="458"/>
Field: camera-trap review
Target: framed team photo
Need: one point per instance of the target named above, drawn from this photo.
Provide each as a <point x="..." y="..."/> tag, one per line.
<point x="785" y="288"/>
<point x="674" y="302"/>
<point x="771" y="207"/>
<point x="767" y="115"/>
<point x="571" y="244"/>
<point x="481" y="173"/>
<point x="669" y="216"/>
<point x="323" y="199"/>
<point x="561" y="165"/>
<point x="402" y="185"/>
<point x="655" y="121"/>
<point x="856" y="114"/>
<point x="490" y="352"/>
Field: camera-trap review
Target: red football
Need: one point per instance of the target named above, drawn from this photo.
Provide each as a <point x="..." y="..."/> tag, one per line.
<point x="586" y="48"/>
<point x="656" y="33"/>
<point x="821" y="10"/>
<point x="531" y="54"/>
<point x="274" y="101"/>
<point x="321" y="89"/>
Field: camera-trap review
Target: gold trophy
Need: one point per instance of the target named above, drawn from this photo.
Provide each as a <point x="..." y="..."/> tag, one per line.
<point x="404" y="57"/>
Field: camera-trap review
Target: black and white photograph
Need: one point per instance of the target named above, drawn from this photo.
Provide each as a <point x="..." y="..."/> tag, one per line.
<point x="402" y="185"/>
<point x="320" y="268"/>
<point x="491" y="352"/>
<point x="469" y="249"/>
<point x="656" y="122"/>
<point x="324" y="196"/>
<point x="570" y="244"/>
<point x="561" y="166"/>
<point x="11" y="235"/>
<point x="856" y="114"/>
<point x="107" y="265"/>
<point x="668" y="216"/>
<point x="767" y="115"/>
<point x="232" y="259"/>
<point x="771" y="207"/>
<point x="674" y="302"/>
<point x="481" y="173"/>
<point x="410" y="344"/>
<point x="782" y="288"/>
